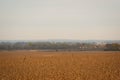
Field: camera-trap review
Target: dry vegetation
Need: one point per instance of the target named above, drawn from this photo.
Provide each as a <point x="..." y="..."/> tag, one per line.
<point x="35" y="65"/>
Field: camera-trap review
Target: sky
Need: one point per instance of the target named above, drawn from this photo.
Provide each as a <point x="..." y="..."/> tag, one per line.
<point x="59" y="19"/>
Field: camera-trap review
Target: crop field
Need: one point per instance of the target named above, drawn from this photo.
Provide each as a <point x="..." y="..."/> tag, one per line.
<point x="38" y="65"/>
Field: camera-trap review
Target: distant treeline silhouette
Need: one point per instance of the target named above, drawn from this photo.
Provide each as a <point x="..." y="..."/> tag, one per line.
<point x="59" y="46"/>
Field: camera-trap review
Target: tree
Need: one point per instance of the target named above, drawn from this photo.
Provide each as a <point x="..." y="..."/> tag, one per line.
<point x="112" y="47"/>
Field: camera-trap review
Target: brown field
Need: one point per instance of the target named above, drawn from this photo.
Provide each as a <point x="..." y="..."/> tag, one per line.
<point x="36" y="65"/>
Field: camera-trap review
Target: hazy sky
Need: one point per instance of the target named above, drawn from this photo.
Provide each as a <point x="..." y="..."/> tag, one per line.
<point x="59" y="19"/>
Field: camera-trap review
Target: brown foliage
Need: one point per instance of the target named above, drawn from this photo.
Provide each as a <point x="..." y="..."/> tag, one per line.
<point x="35" y="65"/>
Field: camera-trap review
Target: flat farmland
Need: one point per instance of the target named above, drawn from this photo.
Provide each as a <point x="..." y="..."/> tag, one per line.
<point x="38" y="65"/>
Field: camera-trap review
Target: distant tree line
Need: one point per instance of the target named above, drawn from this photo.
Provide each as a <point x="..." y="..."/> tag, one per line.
<point x="59" y="46"/>
<point x="112" y="47"/>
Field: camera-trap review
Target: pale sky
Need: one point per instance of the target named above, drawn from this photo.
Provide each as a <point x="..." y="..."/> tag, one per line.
<point x="59" y="19"/>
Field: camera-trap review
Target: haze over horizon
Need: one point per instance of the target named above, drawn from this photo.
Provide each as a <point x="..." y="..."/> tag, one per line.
<point x="60" y="19"/>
